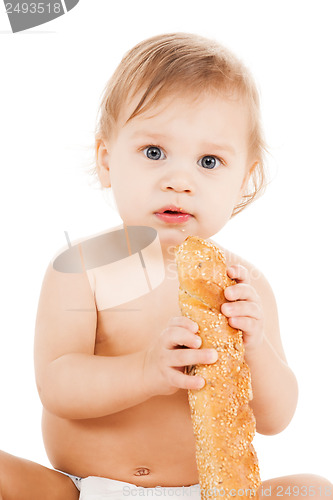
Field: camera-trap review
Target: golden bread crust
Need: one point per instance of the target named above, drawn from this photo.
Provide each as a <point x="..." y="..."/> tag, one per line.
<point x="223" y="422"/>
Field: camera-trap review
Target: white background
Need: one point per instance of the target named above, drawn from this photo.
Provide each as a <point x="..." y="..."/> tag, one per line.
<point x="51" y="80"/>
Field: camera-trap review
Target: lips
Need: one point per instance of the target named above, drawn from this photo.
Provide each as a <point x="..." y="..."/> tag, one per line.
<point x="172" y="209"/>
<point x="172" y="214"/>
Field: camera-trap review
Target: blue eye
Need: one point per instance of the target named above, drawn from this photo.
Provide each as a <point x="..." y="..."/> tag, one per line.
<point x="153" y="152"/>
<point x="209" y="161"/>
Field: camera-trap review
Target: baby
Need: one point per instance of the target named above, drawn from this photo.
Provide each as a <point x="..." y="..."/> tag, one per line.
<point x="179" y="142"/>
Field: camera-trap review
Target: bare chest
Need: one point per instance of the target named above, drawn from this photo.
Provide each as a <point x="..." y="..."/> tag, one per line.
<point x="132" y="326"/>
<point x="155" y="437"/>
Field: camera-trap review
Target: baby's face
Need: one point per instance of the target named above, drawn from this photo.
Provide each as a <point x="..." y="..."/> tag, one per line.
<point x="183" y="156"/>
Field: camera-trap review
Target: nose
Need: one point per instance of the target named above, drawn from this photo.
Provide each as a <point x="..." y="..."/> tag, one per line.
<point x="179" y="180"/>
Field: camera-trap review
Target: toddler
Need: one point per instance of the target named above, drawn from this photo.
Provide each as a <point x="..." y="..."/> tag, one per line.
<point x="180" y="143"/>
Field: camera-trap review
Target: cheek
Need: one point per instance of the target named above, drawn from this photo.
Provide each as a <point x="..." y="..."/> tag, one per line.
<point x="226" y="192"/>
<point x="129" y="191"/>
<point x="223" y="197"/>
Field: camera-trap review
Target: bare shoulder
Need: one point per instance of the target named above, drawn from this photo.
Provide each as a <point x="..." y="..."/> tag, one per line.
<point x="264" y="290"/>
<point x="257" y="278"/>
<point x="68" y="258"/>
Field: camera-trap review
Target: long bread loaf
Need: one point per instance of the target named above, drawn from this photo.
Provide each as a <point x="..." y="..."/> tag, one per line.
<point x="223" y="422"/>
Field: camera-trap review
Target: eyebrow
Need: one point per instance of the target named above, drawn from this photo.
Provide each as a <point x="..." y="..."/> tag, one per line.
<point x="206" y="145"/>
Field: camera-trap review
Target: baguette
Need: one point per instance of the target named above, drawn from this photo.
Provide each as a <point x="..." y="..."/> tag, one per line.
<point x="223" y="422"/>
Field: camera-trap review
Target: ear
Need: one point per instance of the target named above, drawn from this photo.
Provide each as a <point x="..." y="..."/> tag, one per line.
<point x="103" y="163"/>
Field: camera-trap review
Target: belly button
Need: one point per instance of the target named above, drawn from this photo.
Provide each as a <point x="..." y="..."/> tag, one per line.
<point x="142" y="471"/>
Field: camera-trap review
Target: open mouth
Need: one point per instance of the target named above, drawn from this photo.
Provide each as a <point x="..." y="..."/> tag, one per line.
<point x="173" y="215"/>
<point x="172" y="212"/>
<point x="172" y="209"/>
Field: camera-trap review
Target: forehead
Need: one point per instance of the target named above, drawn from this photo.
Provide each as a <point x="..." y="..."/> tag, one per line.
<point x="211" y="116"/>
<point x="176" y="98"/>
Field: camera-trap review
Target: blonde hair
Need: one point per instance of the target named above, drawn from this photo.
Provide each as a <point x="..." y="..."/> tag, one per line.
<point x="183" y="63"/>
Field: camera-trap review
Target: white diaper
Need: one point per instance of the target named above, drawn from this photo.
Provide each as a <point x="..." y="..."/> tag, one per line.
<point x="99" y="488"/>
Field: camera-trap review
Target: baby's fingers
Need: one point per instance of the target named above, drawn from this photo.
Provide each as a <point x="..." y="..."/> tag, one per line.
<point x="188" y="357"/>
<point x="175" y="336"/>
<point x="247" y="325"/>
<point x="241" y="291"/>
<point x="242" y="308"/>
<point x="182" y="381"/>
<point x="184" y="322"/>
<point x="238" y="272"/>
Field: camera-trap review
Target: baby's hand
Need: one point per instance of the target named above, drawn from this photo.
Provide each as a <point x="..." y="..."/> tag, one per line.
<point x="245" y="310"/>
<point x="163" y="372"/>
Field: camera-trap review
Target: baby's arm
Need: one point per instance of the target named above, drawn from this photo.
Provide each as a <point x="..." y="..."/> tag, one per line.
<point x="74" y="383"/>
<point x="253" y="310"/>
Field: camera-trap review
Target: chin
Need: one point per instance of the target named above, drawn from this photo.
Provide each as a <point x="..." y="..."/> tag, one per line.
<point x="177" y="234"/>
<point x="172" y="236"/>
